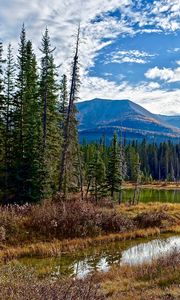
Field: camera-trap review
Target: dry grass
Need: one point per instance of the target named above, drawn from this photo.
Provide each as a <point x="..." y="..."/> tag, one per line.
<point x="19" y="283"/>
<point x="157" y="280"/>
<point x="51" y="228"/>
<point x="56" y="247"/>
<point x="156" y="185"/>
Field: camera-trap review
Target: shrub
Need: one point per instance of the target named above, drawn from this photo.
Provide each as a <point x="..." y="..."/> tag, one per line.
<point x="150" y="219"/>
<point x="112" y="222"/>
<point x="18" y="283"/>
<point x="2" y="234"/>
<point x="74" y="218"/>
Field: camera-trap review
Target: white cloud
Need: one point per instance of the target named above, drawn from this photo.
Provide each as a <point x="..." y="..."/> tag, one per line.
<point x="165" y="74"/>
<point x="131" y="56"/>
<point x="166" y="14"/>
<point x="62" y="18"/>
<point x="154" y="85"/>
<point x="173" y="50"/>
<point x="149" y="95"/>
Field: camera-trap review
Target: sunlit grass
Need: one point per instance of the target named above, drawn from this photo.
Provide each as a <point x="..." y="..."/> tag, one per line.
<point x="23" y="234"/>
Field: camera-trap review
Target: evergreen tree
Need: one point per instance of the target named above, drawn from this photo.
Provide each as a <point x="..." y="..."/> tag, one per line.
<point x="2" y="125"/>
<point x="113" y="170"/>
<point x="1" y="75"/>
<point x="96" y="175"/>
<point x="7" y="113"/>
<point x="123" y="169"/>
<point x="32" y="130"/>
<point x="19" y="103"/>
<point x="51" y="135"/>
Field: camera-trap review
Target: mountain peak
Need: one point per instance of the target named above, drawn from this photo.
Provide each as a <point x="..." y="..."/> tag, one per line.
<point x="109" y="115"/>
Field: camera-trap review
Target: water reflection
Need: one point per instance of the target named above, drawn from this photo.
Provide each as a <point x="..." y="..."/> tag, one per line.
<point x="154" y="195"/>
<point x="138" y="254"/>
<point x="102" y="258"/>
<point x="147" y="251"/>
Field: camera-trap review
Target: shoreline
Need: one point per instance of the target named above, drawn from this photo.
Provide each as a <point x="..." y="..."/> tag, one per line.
<point x="39" y="245"/>
<point x="56" y="248"/>
<point x="155" y="186"/>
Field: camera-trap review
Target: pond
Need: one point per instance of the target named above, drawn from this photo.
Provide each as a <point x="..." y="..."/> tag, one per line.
<point x="101" y="258"/>
<point x="154" y="195"/>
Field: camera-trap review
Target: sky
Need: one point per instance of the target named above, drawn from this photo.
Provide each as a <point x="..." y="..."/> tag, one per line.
<point x="129" y="49"/>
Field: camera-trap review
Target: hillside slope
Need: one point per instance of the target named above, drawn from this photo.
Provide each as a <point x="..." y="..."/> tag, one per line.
<point x="102" y="116"/>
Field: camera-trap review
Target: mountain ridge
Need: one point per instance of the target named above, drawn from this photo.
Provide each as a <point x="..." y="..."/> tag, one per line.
<point x="100" y="116"/>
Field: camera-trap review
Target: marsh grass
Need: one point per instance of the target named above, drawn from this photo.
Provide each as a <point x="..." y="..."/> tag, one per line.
<point x="53" y="227"/>
<point x="18" y="283"/>
<point x="157" y="280"/>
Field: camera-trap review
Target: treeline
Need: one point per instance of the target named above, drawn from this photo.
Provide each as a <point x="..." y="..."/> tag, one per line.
<point x="38" y="152"/>
<point x="107" y="167"/>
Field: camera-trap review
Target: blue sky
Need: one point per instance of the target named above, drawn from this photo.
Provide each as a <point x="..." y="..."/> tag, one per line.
<point x="130" y="49"/>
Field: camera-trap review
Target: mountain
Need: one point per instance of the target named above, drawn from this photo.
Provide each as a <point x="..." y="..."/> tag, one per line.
<point x="172" y="120"/>
<point x="103" y="116"/>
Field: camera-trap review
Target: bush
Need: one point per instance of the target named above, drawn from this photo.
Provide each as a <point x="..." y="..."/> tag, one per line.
<point x="74" y="218"/>
<point x="112" y="222"/>
<point x="18" y="283"/>
<point x="150" y="219"/>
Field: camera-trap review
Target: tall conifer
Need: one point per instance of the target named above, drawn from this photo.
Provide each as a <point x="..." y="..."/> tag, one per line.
<point x="51" y="136"/>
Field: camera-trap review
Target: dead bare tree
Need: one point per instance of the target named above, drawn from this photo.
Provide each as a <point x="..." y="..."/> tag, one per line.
<point x="70" y="111"/>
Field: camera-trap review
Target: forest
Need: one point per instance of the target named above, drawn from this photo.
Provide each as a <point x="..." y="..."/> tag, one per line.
<point x="40" y="154"/>
<point x="62" y="201"/>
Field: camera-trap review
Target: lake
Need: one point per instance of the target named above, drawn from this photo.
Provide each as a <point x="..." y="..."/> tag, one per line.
<point x="154" y="195"/>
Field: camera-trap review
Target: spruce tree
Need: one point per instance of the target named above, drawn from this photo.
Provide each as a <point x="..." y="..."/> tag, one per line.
<point x="7" y="112"/>
<point x="113" y="170"/>
<point x="2" y="124"/>
<point x="51" y="135"/>
<point x="26" y="126"/>
<point x="123" y="169"/>
<point x="32" y="130"/>
<point x="19" y="103"/>
<point x="97" y="175"/>
<point x="1" y="75"/>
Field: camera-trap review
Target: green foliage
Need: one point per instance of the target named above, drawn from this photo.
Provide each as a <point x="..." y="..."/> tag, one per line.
<point x="29" y="123"/>
<point x="114" y="176"/>
<point x="40" y="153"/>
<point x="7" y="112"/>
<point x="50" y="141"/>
<point x="96" y="174"/>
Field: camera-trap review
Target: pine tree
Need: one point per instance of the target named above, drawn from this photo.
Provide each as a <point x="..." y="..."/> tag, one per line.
<point x="2" y="124"/>
<point x="26" y="126"/>
<point x="113" y="170"/>
<point x="1" y="74"/>
<point x="7" y="112"/>
<point x="96" y="175"/>
<point x="123" y="169"/>
<point x="51" y="135"/>
<point x="99" y="175"/>
<point x="32" y="131"/>
<point x="19" y="103"/>
<point x="137" y="177"/>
